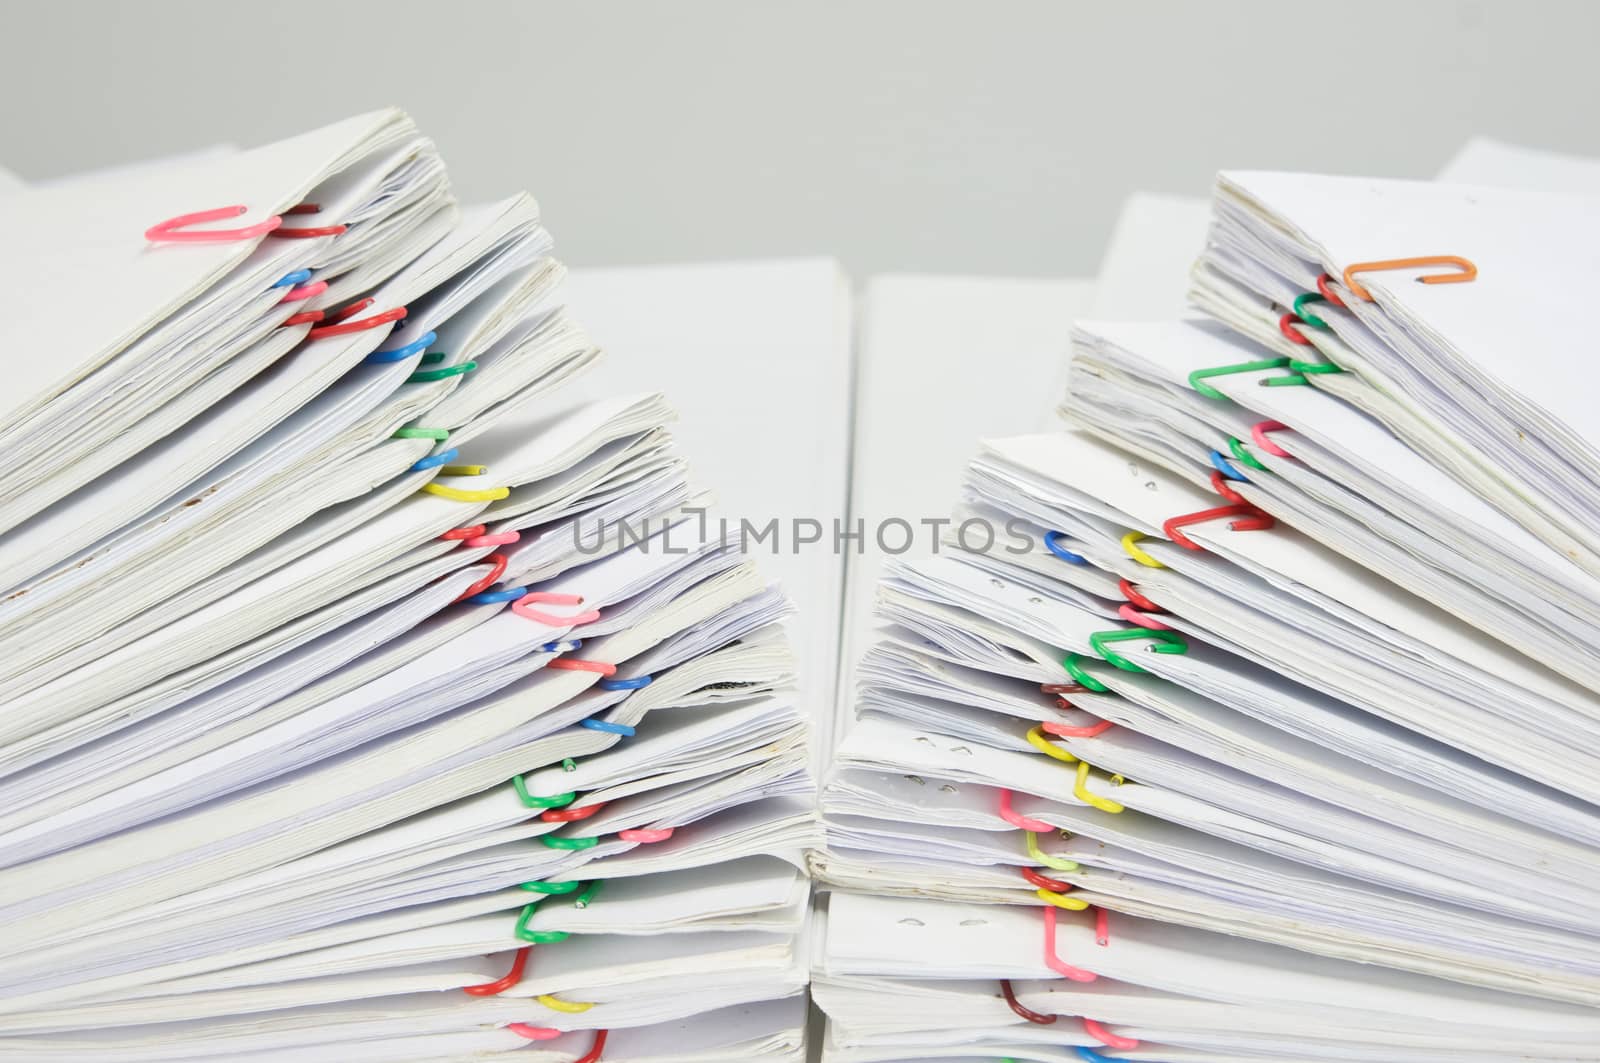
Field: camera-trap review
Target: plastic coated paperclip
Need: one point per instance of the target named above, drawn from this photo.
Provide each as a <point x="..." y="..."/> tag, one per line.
<point x="1467" y="271"/>
<point x="1052" y="542"/>
<point x="1022" y="1012"/>
<point x="1053" y="959"/>
<point x="176" y="230"/>
<point x="1197" y="379"/>
<point x="1258" y="432"/>
<point x="1250" y="519"/>
<point x="1130" y="546"/>
<point x="311" y="232"/>
<point x="1165" y="642"/>
<point x="523" y="607"/>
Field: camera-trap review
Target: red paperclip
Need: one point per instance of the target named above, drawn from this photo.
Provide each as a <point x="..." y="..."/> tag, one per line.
<point x="1016" y="1006"/>
<point x="1250" y="519"/>
<point x="1039" y="881"/>
<point x="570" y="815"/>
<point x="1133" y="616"/>
<point x="533" y="1033"/>
<point x="304" y="317"/>
<point x="1106" y="1037"/>
<point x="497" y="567"/>
<point x="595" y="1048"/>
<point x="306" y="234"/>
<point x="1102" y="928"/>
<point x="1052" y="959"/>
<point x="304" y="291"/>
<point x="1258" y="432"/>
<point x="166" y="232"/>
<point x="1327" y="293"/>
<point x="469" y="532"/>
<point x="1130" y="592"/>
<point x="572" y="664"/>
<point x="1016" y="819"/>
<point x="1062" y="730"/>
<point x="645" y="837"/>
<point x="1286" y="326"/>
<point x="489" y="989"/>
<point x="1219" y="484"/>
<point x="345" y="328"/>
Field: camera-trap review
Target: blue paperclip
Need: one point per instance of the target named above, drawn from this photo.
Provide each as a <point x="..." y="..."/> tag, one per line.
<point x="609" y="728"/>
<point x="1053" y="545"/>
<point x="1092" y="1056"/>
<point x="433" y="461"/>
<point x="299" y="276"/>
<point x="1225" y="467"/>
<point x="625" y="684"/>
<point x="562" y="647"/>
<point x="400" y="354"/>
<point x="504" y="594"/>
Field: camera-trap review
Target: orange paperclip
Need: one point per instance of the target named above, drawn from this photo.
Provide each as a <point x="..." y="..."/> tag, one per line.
<point x="1468" y="271"/>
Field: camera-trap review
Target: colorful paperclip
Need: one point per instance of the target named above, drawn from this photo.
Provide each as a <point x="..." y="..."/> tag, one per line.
<point x="1467" y="271"/>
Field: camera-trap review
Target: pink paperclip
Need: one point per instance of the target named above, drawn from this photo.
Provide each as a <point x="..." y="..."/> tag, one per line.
<point x="533" y="1033"/>
<point x="504" y="538"/>
<point x="1106" y="1037"/>
<point x="166" y="232"/>
<point x="1066" y="730"/>
<point x="644" y="837"/>
<point x="305" y="291"/>
<point x="1133" y="616"/>
<point x="1054" y="961"/>
<point x="1019" y="821"/>
<point x="1258" y="432"/>
<point x="522" y="608"/>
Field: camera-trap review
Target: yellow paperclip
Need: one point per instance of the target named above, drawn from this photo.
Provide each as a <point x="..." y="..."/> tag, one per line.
<point x="1055" y="863"/>
<point x="489" y="494"/>
<point x="1038" y="741"/>
<point x="463" y="470"/>
<point x="1061" y="900"/>
<point x="1130" y="546"/>
<point x="1080" y="790"/>
<point x="567" y="1006"/>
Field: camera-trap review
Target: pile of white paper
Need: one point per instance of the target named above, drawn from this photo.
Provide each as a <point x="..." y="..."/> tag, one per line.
<point x="1255" y="716"/>
<point x="360" y="697"/>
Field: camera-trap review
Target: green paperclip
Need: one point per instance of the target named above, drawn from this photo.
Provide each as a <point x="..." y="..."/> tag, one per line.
<point x="582" y="900"/>
<point x="1055" y="863"/>
<point x="433" y="358"/>
<point x="1197" y="378"/>
<point x="1287" y="380"/>
<point x="537" y="937"/>
<point x="1300" y="302"/>
<point x="1081" y="677"/>
<point x="571" y="843"/>
<point x="568" y="764"/>
<point x="530" y="801"/>
<point x="438" y="435"/>
<point x="1165" y="642"/>
<point x="551" y="887"/>
<point x="1313" y="367"/>
<point x="1244" y="455"/>
<point x="426" y="376"/>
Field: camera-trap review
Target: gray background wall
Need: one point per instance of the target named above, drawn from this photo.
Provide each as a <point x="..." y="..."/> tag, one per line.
<point x="982" y="137"/>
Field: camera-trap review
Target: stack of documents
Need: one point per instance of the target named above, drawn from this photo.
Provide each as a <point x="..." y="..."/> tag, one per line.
<point x="362" y="696"/>
<point x="1254" y="715"/>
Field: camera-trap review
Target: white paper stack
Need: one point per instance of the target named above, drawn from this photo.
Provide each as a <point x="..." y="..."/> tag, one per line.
<point x="362" y="697"/>
<point x="1254" y="715"/>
